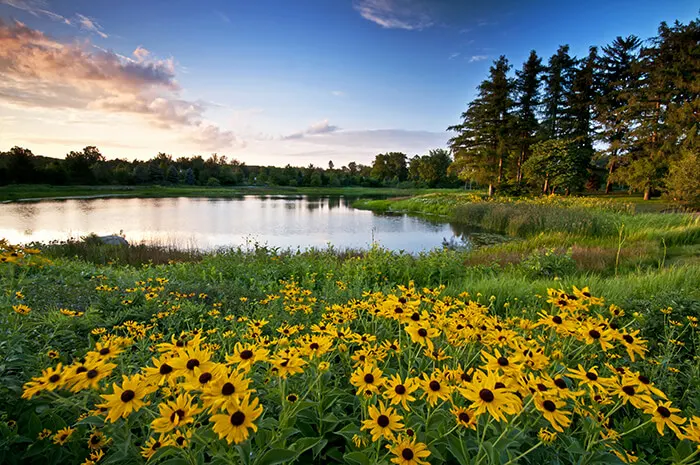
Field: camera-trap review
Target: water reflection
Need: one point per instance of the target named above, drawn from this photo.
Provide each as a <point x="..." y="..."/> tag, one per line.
<point x="278" y="221"/>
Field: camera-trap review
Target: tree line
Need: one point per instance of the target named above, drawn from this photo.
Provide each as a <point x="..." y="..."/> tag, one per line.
<point x="626" y="114"/>
<point x="90" y="167"/>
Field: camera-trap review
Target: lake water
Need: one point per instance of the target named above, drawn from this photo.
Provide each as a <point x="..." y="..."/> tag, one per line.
<point x="208" y="223"/>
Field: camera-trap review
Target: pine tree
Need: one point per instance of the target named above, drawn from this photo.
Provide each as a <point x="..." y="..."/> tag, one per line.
<point x="558" y="79"/>
<point x="484" y="138"/>
<point x="527" y="86"/>
<point x="618" y="77"/>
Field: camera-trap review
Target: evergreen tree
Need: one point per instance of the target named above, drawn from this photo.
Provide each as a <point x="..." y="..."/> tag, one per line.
<point x="189" y="177"/>
<point x="482" y="145"/>
<point x="172" y="175"/>
<point x="558" y="80"/>
<point x="618" y="78"/>
<point x="527" y="87"/>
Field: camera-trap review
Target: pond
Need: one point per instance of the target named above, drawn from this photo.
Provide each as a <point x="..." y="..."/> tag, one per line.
<point x="212" y="223"/>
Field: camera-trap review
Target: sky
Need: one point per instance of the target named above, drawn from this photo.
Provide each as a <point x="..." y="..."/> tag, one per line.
<point x="275" y="82"/>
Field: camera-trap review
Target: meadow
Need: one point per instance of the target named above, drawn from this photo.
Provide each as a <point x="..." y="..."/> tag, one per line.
<point x="575" y="342"/>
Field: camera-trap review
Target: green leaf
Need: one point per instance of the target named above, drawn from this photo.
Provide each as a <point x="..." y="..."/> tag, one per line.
<point x="275" y="456"/>
<point x="358" y="458"/>
<point x="458" y="450"/>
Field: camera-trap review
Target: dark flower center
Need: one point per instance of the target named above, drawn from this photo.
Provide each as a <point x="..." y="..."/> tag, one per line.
<point x="594" y="334"/>
<point x="464" y="417"/>
<point x="180" y="440"/>
<point x="156" y="445"/>
<point x="663" y="411"/>
<point x="541" y="387"/>
<point x="238" y="418"/>
<point x="180" y="344"/>
<point x="104" y="351"/>
<point x="466" y="377"/>
<point x="398" y="310"/>
<point x="502" y="361"/>
<point x="179" y="413"/>
<point x="204" y="378"/>
<point x="499" y="385"/>
<point x="629" y="390"/>
<point x="165" y="369"/>
<point x="369" y="378"/>
<point x="434" y="386"/>
<point x="383" y="421"/>
<point x="228" y="389"/>
<point x="628" y="339"/>
<point x="643" y="379"/>
<point x="415" y="316"/>
<point x="314" y="346"/>
<point x="292" y="398"/>
<point x="561" y="384"/>
<point x="486" y="395"/>
<point x="557" y="319"/>
<point x="54" y="378"/>
<point x="407" y="454"/>
<point x="91" y="374"/>
<point x="592" y="376"/>
<point x="549" y="405"/>
<point x="422" y="332"/>
<point x="400" y="389"/>
<point x="191" y="363"/>
<point x="127" y="396"/>
<point x="80" y="370"/>
<point x="94" y="439"/>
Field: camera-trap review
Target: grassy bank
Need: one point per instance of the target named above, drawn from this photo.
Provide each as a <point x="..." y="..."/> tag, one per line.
<point x="599" y="234"/>
<point x="31" y="191"/>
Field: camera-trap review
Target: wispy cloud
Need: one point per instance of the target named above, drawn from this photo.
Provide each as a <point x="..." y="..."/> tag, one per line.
<point x="454" y="55"/>
<point x="395" y="14"/>
<point x="321" y="127"/>
<point x="475" y="58"/>
<point x="36" y="71"/>
<point x="89" y="24"/>
<point x="222" y="16"/>
<point x="338" y="93"/>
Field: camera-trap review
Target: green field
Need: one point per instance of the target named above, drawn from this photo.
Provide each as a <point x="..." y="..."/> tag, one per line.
<point x="319" y="321"/>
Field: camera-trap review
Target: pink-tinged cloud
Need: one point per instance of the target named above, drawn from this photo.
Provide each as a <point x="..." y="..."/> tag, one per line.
<point x="321" y="127"/>
<point x="395" y="14"/>
<point x="37" y="71"/>
<point x="89" y="24"/>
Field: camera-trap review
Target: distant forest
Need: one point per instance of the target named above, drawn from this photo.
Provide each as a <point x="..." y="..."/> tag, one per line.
<point x="626" y="115"/>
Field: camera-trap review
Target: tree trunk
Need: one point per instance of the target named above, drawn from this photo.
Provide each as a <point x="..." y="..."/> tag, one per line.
<point x="647" y="193"/>
<point x="546" y="186"/>
<point x="608" y="183"/>
<point x="491" y="190"/>
<point x="500" y="169"/>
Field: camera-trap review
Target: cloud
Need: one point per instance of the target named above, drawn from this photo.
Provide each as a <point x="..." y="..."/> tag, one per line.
<point x="395" y="14"/>
<point x="454" y="55"/>
<point x="321" y="127"/>
<point x="475" y="58"/>
<point x="222" y="16"/>
<point x="37" y="71"/>
<point x="35" y="8"/>
<point x="89" y="24"/>
<point x="212" y="138"/>
<point x="338" y="93"/>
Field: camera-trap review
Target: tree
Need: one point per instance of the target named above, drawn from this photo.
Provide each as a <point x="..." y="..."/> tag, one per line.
<point x="683" y="180"/>
<point x="527" y="88"/>
<point x="558" y="80"/>
<point x="618" y="77"/>
<point x="79" y="164"/>
<point x="330" y="164"/>
<point x="557" y="164"/>
<point x="189" y="177"/>
<point x="20" y="165"/>
<point x="390" y="166"/>
<point x="483" y="140"/>
<point x="172" y="175"/>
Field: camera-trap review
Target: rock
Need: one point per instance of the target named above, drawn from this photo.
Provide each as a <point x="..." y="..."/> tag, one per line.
<point x="113" y="240"/>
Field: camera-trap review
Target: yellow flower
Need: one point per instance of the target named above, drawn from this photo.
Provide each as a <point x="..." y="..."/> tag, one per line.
<point x="126" y="398"/>
<point x="153" y="444"/>
<point x="383" y="422"/>
<point x="422" y="333"/>
<point x="489" y="394"/>
<point x="409" y="452"/>
<point x="434" y="389"/>
<point x="367" y="378"/>
<point x="62" y="436"/>
<point x="21" y="309"/>
<point x="546" y="436"/>
<point x="552" y="411"/>
<point x="400" y="392"/>
<point x="239" y="418"/>
<point x="175" y="414"/>
<point x="665" y="415"/>
<point x="225" y="391"/>
<point x="464" y="417"/>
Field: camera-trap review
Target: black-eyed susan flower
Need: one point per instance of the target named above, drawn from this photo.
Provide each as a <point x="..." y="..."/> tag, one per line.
<point x="63" y="435"/>
<point x="553" y="411"/>
<point x="175" y="414"/>
<point x="464" y="417"/>
<point x="409" y="452"/>
<point x="52" y="354"/>
<point x="434" y="389"/>
<point x="399" y="392"/>
<point x="630" y="392"/>
<point x="367" y="378"/>
<point x="226" y="390"/>
<point x="126" y="398"/>
<point x="662" y="414"/>
<point x="44" y="433"/>
<point x="245" y="355"/>
<point x="589" y="378"/>
<point x="198" y="380"/>
<point x="422" y="333"/>
<point x="239" y="418"/>
<point x="97" y="440"/>
<point x="383" y="422"/>
<point x="489" y="394"/>
<point x="189" y="359"/>
<point x="153" y="445"/>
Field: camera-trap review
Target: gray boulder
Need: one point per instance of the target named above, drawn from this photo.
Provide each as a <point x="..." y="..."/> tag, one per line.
<point x="113" y="240"/>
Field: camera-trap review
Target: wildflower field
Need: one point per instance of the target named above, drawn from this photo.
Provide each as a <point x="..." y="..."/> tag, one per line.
<point x="268" y="357"/>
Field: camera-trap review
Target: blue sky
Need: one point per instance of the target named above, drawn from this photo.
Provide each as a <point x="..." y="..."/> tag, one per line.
<point x="274" y="82"/>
